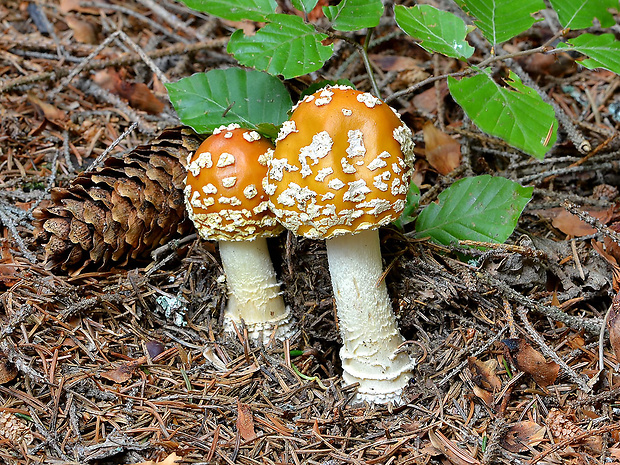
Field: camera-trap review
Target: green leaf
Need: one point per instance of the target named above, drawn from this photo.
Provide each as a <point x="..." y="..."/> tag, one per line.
<point x="237" y="10"/>
<point x="351" y="15"/>
<point x="411" y="204"/>
<point x="250" y="98"/>
<point x="482" y="208"/>
<point x="500" y="20"/>
<point x="285" y="46"/>
<point x="580" y="14"/>
<point x="518" y="115"/>
<point x="439" y="31"/>
<point x="603" y="50"/>
<point x="305" y="5"/>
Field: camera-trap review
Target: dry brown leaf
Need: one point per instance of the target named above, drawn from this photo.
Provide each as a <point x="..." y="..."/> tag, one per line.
<point x="485" y="380"/>
<point x="172" y="459"/>
<point x="613" y="325"/>
<point x="125" y="371"/>
<point x="142" y="98"/>
<point x="455" y="454"/>
<point x="245" y="422"/>
<point x="83" y="31"/>
<point x="8" y="273"/>
<point x="600" y="247"/>
<point x="66" y="6"/>
<point x="532" y="362"/>
<point x="442" y="151"/>
<point x="8" y="371"/>
<point x="571" y="225"/>
<point x="47" y="110"/>
<point x="248" y="27"/>
<point x="138" y="94"/>
<point x="394" y="62"/>
<point x="555" y="64"/>
<point x="484" y="373"/>
<point x="419" y="172"/>
<point x="523" y="435"/>
<point x="427" y="100"/>
<point x="484" y="395"/>
<point x="317" y="11"/>
<point x="154" y="348"/>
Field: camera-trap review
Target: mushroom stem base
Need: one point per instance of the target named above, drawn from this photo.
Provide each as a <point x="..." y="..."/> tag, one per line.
<point x="370" y="334"/>
<point x="253" y="291"/>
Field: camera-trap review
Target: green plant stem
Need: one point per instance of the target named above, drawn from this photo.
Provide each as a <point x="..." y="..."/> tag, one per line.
<point x="364" y="51"/>
<point x="308" y="378"/>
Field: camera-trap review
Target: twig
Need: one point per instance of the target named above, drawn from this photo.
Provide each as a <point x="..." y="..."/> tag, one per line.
<point x="413" y="88"/>
<point x="488" y="61"/>
<point x="455" y="371"/>
<point x="601" y="341"/>
<point x="121" y="107"/>
<point x="51" y="180"/>
<point x="576" y="259"/>
<point x="499" y="428"/>
<point x="121" y="9"/>
<point x="590" y="325"/>
<point x="605" y="166"/>
<point x="594" y="222"/>
<point x="79" y="68"/>
<point x="547" y="351"/>
<point x="145" y="58"/>
<point x="363" y="49"/>
<point x="105" y="153"/>
<point x="123" y="60"/>
<point x="11" y="225"/>
<point x="171" y="19"/>
<point x="595" y="112"/>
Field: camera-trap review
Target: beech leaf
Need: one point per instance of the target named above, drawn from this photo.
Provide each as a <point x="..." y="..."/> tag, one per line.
<point x="218" y="97"/>
<point x="305" y="5"/>
<point x="438" y="31"/>
<point x="502" y="20"/>
<point x="351" y="15"/>
<point x="517" y="114"/>
<point x="285" y="46"/>
<point x="603" y="51"/>
<point x="579" y="14"/>
<point x="237" y="10"/>
<point x="482" y="208"/>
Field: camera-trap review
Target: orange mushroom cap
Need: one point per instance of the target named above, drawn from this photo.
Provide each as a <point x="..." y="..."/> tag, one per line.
<point x="224" y="186"/>
<point x="342" y="164"/>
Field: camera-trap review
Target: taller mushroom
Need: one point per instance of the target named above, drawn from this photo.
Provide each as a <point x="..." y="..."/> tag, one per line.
<point x="225" y="199"/>
<point x="341" y="169"/>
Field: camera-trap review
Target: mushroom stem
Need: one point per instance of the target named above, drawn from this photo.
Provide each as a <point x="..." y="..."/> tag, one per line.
<point x="253" y="290"/>
<point x="368" y="326"/>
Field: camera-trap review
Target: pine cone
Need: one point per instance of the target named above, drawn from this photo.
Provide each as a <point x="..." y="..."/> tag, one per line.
<point x="122" y="210"/>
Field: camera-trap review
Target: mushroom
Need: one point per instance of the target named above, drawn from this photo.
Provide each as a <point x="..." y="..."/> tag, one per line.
<point x="340" y="170"/>
<point x="225" y="199"/>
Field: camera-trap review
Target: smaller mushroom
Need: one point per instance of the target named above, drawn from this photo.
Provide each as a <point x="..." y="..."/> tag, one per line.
<point x="225" y="199"/>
